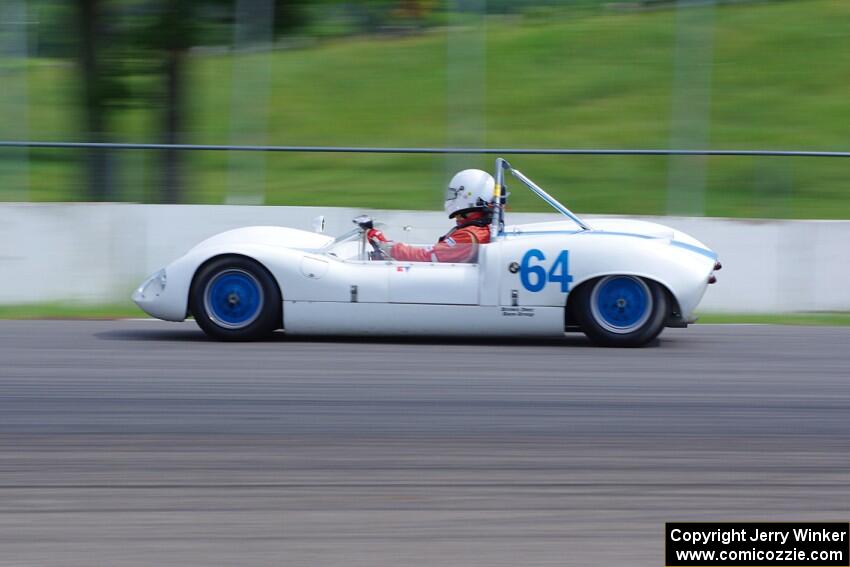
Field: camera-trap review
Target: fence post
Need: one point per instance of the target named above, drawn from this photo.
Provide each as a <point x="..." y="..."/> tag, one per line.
<point x="690" y="120"/>
<point x="466" y="78"/>
<point x="14" y="48"/>
<point x="249" y="109"/>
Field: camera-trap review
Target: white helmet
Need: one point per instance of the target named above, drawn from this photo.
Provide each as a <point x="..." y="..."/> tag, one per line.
<point x="469" y="189"/>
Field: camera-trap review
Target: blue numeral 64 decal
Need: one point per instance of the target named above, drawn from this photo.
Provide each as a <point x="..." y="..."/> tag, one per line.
<point x="534" y="276"/>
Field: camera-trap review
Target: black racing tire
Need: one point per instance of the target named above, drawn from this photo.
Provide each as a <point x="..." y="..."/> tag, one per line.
<point x="621" y="310"/>
<point x="234" y="298"/>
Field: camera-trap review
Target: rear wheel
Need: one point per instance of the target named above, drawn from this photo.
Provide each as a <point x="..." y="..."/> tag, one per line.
<point x="235" y="298"/>
<point x="621" y="311"/>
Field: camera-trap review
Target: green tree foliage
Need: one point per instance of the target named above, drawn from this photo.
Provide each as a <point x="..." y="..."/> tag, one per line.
<point x="119" y="39"/>
<point x="162" y="33"/>
<point x="100" y="89"/>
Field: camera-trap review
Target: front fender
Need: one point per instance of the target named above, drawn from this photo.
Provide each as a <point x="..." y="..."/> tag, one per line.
<point x="172" y="303"/>
<point x="277" y="248"/>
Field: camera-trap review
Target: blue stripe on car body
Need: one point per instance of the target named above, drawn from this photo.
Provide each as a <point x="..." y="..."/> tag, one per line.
<point x="703" y="251"/>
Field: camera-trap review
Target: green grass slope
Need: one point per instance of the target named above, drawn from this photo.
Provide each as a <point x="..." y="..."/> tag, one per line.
<point x="780" y="78"/>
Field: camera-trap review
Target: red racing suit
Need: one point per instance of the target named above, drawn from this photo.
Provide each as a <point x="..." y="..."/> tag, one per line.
<point x="459" y="245"/>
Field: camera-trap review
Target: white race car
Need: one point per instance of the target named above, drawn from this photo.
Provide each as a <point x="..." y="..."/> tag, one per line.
<point x="618" y="281"/>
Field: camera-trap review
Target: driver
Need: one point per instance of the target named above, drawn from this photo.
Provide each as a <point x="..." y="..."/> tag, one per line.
<point x="468" y="199"/>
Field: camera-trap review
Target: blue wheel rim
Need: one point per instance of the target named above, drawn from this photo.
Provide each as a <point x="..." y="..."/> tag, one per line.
<point x="621" y="304"/>
<point x="233" y="299"/>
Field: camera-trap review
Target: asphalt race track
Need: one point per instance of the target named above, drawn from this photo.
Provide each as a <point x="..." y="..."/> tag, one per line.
<point x="142" y="443"/>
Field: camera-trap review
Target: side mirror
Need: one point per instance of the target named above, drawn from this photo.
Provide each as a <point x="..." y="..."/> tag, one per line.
<point x="319" y="224"/>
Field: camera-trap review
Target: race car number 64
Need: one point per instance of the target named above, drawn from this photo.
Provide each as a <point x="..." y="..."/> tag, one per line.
<point x="534" y="277"/>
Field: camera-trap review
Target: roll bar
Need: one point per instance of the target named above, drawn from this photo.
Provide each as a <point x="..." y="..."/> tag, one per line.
<point x="500" y="196"/>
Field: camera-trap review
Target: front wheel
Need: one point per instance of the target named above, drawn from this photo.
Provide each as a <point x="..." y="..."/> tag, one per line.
<point x="235" y="298"/>
<point x="621" y="311"/>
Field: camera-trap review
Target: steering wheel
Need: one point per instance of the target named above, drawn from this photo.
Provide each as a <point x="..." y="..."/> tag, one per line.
<point x="366" y="223"/>
<point x="377" y="253"/>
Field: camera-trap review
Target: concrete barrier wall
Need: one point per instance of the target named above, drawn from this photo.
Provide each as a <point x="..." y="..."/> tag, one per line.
<point x="97" y="253"/>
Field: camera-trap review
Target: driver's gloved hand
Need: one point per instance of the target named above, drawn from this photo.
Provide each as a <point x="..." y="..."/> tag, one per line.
<point x="376" y="236"/>
<point x="383" y="247"/>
